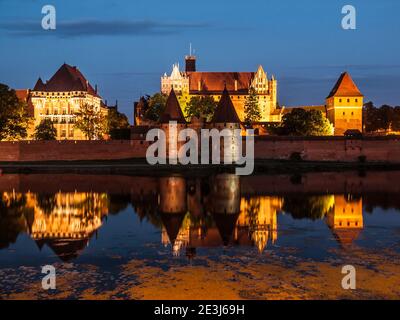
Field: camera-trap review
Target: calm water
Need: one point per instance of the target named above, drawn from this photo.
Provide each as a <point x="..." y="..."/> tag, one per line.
<point x="216" y="236"/>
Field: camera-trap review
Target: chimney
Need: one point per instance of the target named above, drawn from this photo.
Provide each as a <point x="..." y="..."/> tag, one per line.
<point x="236" y="86"/>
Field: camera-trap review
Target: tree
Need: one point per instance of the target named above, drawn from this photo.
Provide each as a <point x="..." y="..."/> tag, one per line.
<point x="14" y="118"/>
<point x="45" y="130"/>
<point x="309" y="207"/>
<point x="370" y="117"/>
<point x="201" y="107"/>
<point x="300" y="122"/>
<point x="156" y="106"/>
<point x="382" y="118"/>
<point x="117" y="124"/>
<point x="318" y="124"/>
<point x="251" y="108"/>
<point x="385" y="116"/>
<point x="396" y="119"/>
<point x="91" y="121"/>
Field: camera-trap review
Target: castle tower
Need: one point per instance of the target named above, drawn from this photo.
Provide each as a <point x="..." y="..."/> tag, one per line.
<point x="190" y="63"/>
<point x="172" y="122"/>
<point x="346" y="219"/>
<point x="344" y="105"/>
<point x="226" y="118"/>
<point x="273" y="84"/>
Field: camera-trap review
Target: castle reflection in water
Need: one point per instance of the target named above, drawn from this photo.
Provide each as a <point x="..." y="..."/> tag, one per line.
<point x="191" y="213"/>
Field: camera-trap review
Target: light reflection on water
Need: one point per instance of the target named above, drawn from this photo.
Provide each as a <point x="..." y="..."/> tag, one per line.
<point x="106" y="221"/>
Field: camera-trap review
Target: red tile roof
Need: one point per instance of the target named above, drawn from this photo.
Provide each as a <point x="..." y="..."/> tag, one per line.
<point x="225" y="111"/>
<point x="67" y="78"/>
<point x="216" y="81"/>
<point x="345" y="87"/>
<point x="173" y="111"/>
<point x="22" y="94"/>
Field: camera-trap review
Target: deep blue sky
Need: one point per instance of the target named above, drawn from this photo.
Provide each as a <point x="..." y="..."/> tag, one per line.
<point x="125" y="46"/>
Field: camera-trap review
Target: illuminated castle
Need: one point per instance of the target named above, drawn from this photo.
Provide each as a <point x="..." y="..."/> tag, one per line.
<point x="191" y="83"/>
<point x="66" y="221"/>
<point x="61" y="97"/>
<point x="343" y="106"/>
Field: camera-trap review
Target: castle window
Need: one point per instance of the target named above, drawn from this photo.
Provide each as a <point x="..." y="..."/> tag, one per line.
<point x="344" y="113"/>
<point x="340" y="100"/>
<point x="356" y="100"/>
<point x="352" y="113"/>
<point x="348" y="100"/>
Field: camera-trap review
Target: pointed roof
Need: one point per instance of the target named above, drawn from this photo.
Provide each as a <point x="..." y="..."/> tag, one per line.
<point x="67" y="78"/>
<point x="345" y="237"/>
<point x="173" y="111"/>
<point x="39" y="86"/>
<point x="225" y="224"/>
<point x="172" y="223"/>
<point x="225" y="111"/>
<point x="65" y="249"/>
<point x="345" y="87"/>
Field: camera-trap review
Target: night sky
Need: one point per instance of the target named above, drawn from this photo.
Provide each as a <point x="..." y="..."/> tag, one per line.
<point x="125" y="46"/>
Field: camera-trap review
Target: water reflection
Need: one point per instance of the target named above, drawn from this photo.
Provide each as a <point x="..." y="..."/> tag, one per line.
<point x="63" y="221"/>
<point x="216" y="211"/>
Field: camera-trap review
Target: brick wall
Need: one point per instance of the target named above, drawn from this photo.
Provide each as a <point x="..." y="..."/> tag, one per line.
<point x="312" y="149"/>
<point x="72" y="150"/>
<point x="329" y="148"/>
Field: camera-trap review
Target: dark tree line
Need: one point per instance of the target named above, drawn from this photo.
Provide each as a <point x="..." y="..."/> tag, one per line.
<point x="384" y="118"/>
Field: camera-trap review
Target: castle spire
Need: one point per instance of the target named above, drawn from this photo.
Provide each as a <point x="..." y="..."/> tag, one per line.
<point x="225" y="111"/>
<point x="173" y="111"/>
